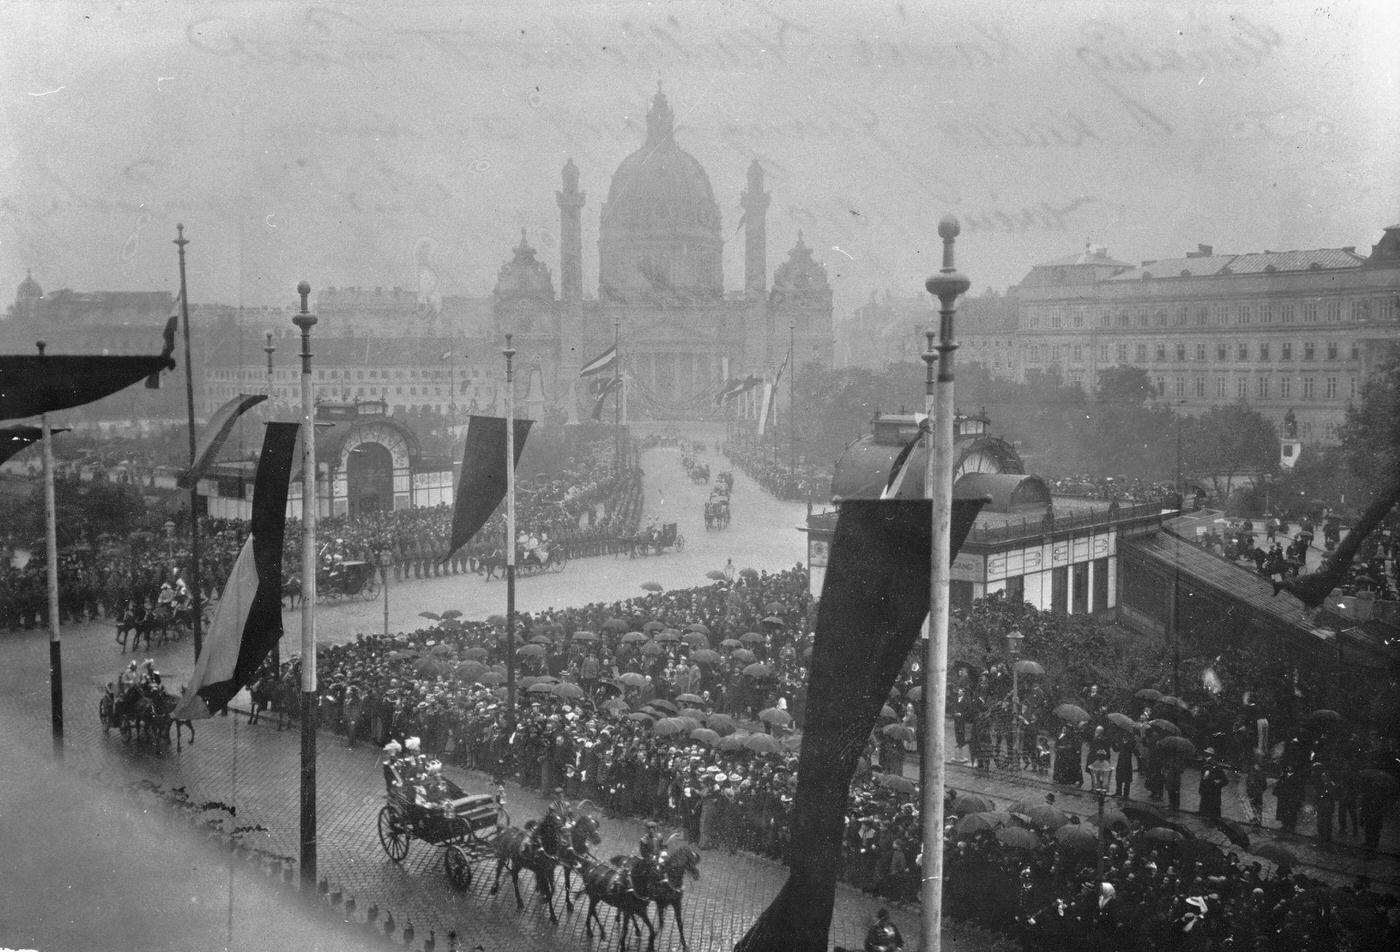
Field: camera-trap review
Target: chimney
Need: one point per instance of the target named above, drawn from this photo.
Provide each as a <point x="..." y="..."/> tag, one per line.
<point x="1202" y="251"/>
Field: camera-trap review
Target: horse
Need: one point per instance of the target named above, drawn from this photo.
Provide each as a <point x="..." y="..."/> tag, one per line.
<point x="291" y="590"/>
<point x="577" y="838"/>
<point x="161" y="722"/>
<point x="616" y="882"/>
<point x="520" y="849"/>
<point x="681" y="860"/>
<point x="491" y="563"/>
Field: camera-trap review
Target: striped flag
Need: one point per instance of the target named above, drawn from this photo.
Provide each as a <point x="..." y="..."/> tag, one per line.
<point x="216" y="432"/>
<point x="900" y="468"/>
<point x="736" y="387"/>
<point x="168" y="346"/>
<point x="613" y="383"/>
<point x="604" y="361"/>
<point x="482" y="484"/>
<point x="248" y="621"/>
<point x="766" y="405"/>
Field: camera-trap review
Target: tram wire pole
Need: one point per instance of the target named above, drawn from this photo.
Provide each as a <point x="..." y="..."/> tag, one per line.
<point x="305" y="321"/>
<point x="947" y="285"/>
<point x="509" y="353"/>
<point x="196" y="621"/>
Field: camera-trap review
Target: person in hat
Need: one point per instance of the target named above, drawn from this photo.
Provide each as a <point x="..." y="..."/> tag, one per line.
<point x="556" y="817"/>
<point x="883" y="935"/>
<point x="1213" y="780"/>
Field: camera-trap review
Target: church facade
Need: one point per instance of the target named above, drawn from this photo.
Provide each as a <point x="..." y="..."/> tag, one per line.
<point x="661" y="292"/>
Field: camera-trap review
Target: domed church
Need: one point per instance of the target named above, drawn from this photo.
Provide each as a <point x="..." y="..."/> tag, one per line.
<point x="661" y="289"/>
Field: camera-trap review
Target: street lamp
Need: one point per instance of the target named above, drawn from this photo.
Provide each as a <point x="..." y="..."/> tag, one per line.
<point x="383" y="560"/>
<point x="1014" y="638"/>
<point x="170" y="539"/>
<point x="1099" y="772"/>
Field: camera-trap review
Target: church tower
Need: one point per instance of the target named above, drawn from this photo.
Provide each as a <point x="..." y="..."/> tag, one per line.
<point x="755" y="203"/>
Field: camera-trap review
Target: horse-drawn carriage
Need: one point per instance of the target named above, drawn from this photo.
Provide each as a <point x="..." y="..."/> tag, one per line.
<point x="529" y="560"/>
<point x="725" y="481"/>
<point x="339" y="579"/>
<point x="653" y="540"/>
<point x="717" y="511"/>
<point x="166" y="621"/>
<point x="465" y="824"/>
<point x="144" y="711"/>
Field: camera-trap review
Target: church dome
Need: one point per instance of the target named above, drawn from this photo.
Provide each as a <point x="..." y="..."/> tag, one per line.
<point x="660" y="227"/>
<point x="29" y="289"/>
<point x="524" y="276"/>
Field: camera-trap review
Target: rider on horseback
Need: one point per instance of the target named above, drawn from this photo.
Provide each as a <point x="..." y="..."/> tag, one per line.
<point x="556" y="818"/>
<point x="652" y="850"/>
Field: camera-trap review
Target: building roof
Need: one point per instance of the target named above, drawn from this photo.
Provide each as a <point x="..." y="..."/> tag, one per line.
<point x="1265" y="262"/>
<point x="660" y="185"/>
<point x="1089" y="256"/>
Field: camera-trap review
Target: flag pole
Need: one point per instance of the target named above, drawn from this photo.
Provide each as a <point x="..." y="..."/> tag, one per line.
<point x="305" y="321"/>
<point x="509" y="353"/>
<point x="270" y="350"/>
<point x="621" y="394"/>
<point x="938" y="480"/>
<point x="196" y="620"/>
<point x="51" y="570"/>
<point x="792" y="396"/>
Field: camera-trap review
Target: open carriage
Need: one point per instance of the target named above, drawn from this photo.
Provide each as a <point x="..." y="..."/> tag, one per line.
<point x="465" y="824"/>
<point x="717" y="511"/>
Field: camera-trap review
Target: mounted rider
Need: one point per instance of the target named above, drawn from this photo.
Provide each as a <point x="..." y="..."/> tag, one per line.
<point x="557" y="817"/>
<point x="651" y="849"/>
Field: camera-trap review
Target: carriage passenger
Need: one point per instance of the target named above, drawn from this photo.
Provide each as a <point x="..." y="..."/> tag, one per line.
<point x="128" y="680"/>
<point x="150" y="677"/>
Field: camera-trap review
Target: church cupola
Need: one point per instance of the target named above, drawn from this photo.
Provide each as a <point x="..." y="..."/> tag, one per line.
<point x="661" y="121"/>
<point x="524" y="276"/>
<point x="801" y="277"/>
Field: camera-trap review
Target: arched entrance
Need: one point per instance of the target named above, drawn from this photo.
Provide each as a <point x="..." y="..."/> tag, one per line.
<point x="370" y="479"/>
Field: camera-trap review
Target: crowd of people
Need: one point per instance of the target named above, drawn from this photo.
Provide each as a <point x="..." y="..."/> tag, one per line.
<point x="1125" y="489"/>
<point x="683" y="707"/>
<point x="770" y="470"/>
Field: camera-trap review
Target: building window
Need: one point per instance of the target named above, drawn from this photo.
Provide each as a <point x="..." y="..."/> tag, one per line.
<point x="1220" y="388"/>
<point x="1331" y="388"/>
<point x="1306" y="429"/>
<point x="1351" y="385"/>
<point x="1105" y="319"/>
<point x="1242" y="351"/>
<point x="1220" y="313"/>
<point x="1179" y="386"/>
<point x="1161" y="387"/>
<point x="1159" y="317"/>
<point x="1261" y="390"/>
<point x="1201" y="315"/>
<point x="1310" y="312"/>
<point x="1055" y="319"/>
<point x="1142" y="317"/>
<point x="1332" y="311"/>
<point x="1142" y="353"/>
<point x="1308" y="351"/>
<point x="1161" y="351"/>
<point x="1266" y="314"/>
<point x="1200" y="351"/>
<point x="1220" y="352"/>
<point x="1078" y="353"/>
<point x="1307" y="388"/>
<point x="1181" y="316"/>
<point x="1330" y="429"/>
<point x="1200" y="386"/>
<point x="1180" y="352"/>
<point x="1078" y="318"/>
<point x="1122" y="318"/>
<point x="1122" y="351"/>
<point x="1033" y="318"/>
<point x="1286" y="313"/>
<point x="1285" y="387"/>
<point x="1242" y="387"/>
<point x="1285" y="351"/>
<point x="1103" y="353"/>
<point x="1331" y="350"/>
<point x="1243" y="313"/>
<point x="1264" y="350"/>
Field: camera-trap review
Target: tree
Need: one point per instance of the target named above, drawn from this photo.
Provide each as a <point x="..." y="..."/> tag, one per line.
<point x="1126" y="385"/>
<point x="1226" y="442"/>
<point x="1371" y="434"/>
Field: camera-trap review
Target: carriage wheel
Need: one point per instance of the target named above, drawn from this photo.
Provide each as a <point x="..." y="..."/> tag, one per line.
<point x="104" y="713"/>
<point x="560" y="561"/>
<point x="370" y="588"/>
<point x="680" y="542"/>
<point x="392" y="835"/>
<point x="459" y="870"/>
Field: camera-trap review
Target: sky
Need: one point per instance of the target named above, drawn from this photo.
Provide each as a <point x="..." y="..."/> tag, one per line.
<point x="408" y="144"/>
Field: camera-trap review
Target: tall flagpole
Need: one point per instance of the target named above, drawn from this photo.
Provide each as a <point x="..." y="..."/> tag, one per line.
<point x="305" y="321"/>
<point x="938" y="480"/>
<point x="51" y="568"/>
<point x="792" y="396"/>
<point x="509" y="353"/>
<point x="270" y="350"/>
<point x="621" y="394"/>
<point x="196" y="621"/>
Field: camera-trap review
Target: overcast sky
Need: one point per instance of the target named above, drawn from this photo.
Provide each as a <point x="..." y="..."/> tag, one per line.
<point x="408" y="143"/>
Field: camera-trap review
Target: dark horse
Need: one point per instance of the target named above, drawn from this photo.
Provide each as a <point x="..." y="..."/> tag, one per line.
<point x="521" y="849"/>
<point x="574" y="845"/>
<point x="630" y="884"/>
<point x="491" y="563"/>
<point x="151" y="712"/>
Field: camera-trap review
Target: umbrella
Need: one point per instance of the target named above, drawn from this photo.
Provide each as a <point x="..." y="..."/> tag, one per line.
<point x="541" y="639"/>
<point x="722" y="723"/>
<point x="1122" y="720"/>
<point x="540" y="687"/>
<point x="1171" y="701"/>
<point x="548" y="678"/>
<point x="1072" y="713"/>
<point x="757" y="670"/>
<point x="776" y="716"/>
<point x="916" y="693"/>
<point x="889" y="713"/>
<point x="471" y="670"/>
<point x="1380" y="780"/>
<point x="743" y="655"/>
<point x="610" y="687"/>
<point x="1179" y="745"/>
<point x="897" y="783"/>
<point x="617" y="705"/>
<point x="697" y="626"/>
<point x="1114" y="818"/>
<point x="1027" y="667"/>
<point x="705" y="656"/>
<point x="715" y="575"/>
<point x="670" y="636"/>
<point x="691" y="723"/>
<point x="775" y="621"/>
<point x="706" y="735"/>
<point x="792" y="743"/>
<point x="1077" y="837"/>
<point x="661" y="704"/>
<point x="432" y="615"/>
<point x="1025" y="805"/>
<point x="977" y="822"/>
<point x="751" y="638"/>
<point x="584" y="635"/>
<point x="615" y="624"/>
<point x="491" y="678"/>
<point x="1278" y="854"/>
<point x="1143" y="814"/>
<point x="763" y="744"/>
<point x="1233" y="831"/>
<point x="750" y="574"/>
<point x="731" y="643"/>
<point x="733" y="742"/>
<point x="652" y="649"/>
<point x="1017" y="838"/>
<point x="567" y="689"/>
<point x="641" y="717"/>
<point x="696" y="639"/>
<point x="652" y="586"/>
<point x="428" y="668"/>
<point x="694" y="712"/>
<point x="653" y="625"/>
<point x="972" y="803"/>
<point x="474" y="654"/>
<point x="1149" y="694"/>
<point x="668" y="726"/>
<point x="633" y="637"/>
<point x="1325" y="716"/>
<point x="774" y="608"/>
<point x="451" y="613"/>
<point x="443" y="648"/>
<point x="898" y="731"/>
<point x="1046" y="817"/>
<point x="1163" y="834"/>
<point x="531" y="651"/>
<point x="495" y="619"/>
<point x="633" y="679"/>
<point x="690" y="699"/>
<point x="1164" y="725"/>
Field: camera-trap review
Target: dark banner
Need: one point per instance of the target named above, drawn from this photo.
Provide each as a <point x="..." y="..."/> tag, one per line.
<point x="873" y="603"/>
<point x="13" y="439"/>
<point x="482" y="485"/>
<point x="31" y="384"/>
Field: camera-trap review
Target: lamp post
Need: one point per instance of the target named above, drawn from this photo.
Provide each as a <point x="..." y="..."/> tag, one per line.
<point x="1099" y="772"/>
<point x="382" y="557"/>
<point x="509" y="353"/>
<point x="169" y="540"/>
<point x="305" y="321"/>
<point x="1014" y="638"/>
